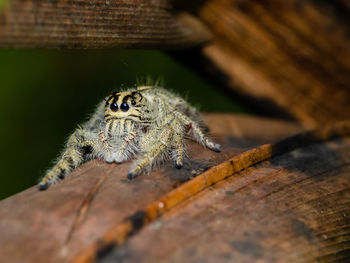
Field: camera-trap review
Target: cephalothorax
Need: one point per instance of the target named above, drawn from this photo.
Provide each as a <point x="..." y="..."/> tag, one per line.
<point x="148" y="122"/>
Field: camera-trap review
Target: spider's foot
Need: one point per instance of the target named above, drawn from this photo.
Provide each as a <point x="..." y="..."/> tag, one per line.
<point x="43" y="186"/>
<point x="212" y="145"/>
<point x="216" y="147"/>
<point x="132" y="175"/>
<point x="178" y="165"/>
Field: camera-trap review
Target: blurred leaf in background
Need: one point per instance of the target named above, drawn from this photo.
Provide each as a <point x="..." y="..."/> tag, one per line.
<point x="46" y="93"/>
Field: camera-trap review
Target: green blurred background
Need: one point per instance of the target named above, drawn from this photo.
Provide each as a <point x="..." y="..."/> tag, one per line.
<point x="46" y="93"/>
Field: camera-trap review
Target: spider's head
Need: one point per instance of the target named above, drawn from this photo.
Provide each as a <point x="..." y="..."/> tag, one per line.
<point x="124" y="105"/>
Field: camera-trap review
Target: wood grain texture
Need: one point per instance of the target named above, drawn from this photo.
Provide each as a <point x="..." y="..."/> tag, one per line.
<point x="97" y="24"/>
<point x="294" y="55"/>
<point x="294" y="207"/>
<point x="282" y="210"/>
<point x="316" y="162"/>
<point x="57" y="225"/>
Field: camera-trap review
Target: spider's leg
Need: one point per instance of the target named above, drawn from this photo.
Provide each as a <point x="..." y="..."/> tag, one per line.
<point x="78" y="147"/>
<point x="181" y="105"/>
<point x="198" y="134"/>
<point x="121" y="154"/>
<point x="164" y="140"/>
<point x="178" y="143"/>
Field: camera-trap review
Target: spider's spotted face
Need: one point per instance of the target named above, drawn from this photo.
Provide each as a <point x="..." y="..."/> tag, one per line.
<point x="124" y="105"/>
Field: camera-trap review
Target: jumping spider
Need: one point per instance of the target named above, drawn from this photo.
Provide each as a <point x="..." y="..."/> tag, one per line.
<point x="147" y="121"/>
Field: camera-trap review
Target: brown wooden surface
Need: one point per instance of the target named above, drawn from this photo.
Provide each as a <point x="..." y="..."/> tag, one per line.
<point x="295" y="207"/>
<point x="97" y="24"/>
<point x="286" y="56"/>
<point x="61" y="223"/>
<point x="313" y="164"/>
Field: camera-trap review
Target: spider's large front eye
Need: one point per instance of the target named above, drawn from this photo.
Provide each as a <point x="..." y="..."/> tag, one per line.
<point x="124" y="106"/>
<point x="114" y="106"/>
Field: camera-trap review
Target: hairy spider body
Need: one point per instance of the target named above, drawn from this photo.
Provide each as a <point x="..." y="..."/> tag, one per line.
<point x="149" y="122"/>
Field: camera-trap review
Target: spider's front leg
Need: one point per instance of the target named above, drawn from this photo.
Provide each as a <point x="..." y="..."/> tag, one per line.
<point x="106" y="149"/>
<point x="153" y="149"/>
<point x="80" y="145"/>
<point x="123" y="154"/>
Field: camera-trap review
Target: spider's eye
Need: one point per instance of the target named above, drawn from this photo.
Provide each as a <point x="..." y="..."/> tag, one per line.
<point x="124" y="106"/>
<point x="114" y="106"/>
<point x="133" y="102"/>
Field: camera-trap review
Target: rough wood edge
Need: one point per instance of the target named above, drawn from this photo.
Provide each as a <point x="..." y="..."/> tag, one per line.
<point x="134" y="223"/>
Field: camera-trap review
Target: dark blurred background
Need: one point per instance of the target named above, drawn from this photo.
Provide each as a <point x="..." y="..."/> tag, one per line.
<point x="46" y="93"/>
